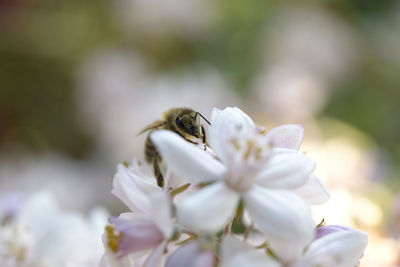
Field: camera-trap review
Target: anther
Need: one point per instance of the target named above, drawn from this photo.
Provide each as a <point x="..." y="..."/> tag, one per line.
<point x="114" y="239"/>
<point x="250" y="147"/>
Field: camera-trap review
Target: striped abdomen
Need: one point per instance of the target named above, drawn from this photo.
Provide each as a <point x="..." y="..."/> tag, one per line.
<point x="150" y="150"/>
<point x="154" y="158"/>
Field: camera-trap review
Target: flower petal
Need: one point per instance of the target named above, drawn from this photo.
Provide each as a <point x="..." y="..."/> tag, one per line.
<point x="125" y="188"/>
<point x="342" y="248"/>
<point x="186" y="159"/>
<point x="155" y="257"/>
<point x="314" y="191"/>
<point x="209" y="209"/>
<point x="161" y="212"/>
<point x="142" y="174"/>
<point x="109" y="259"/>
<point x="173" y="181"/>
<point x="287" y="136"/>
<point x="191" y="255"/>
<point x="40" y="205"/>
<point x="238" y="254"/>
<point x="214" y="113"/>
<point x="286" y="169"/>
<point x="137" y="235"/>
<point x="229" y="123"/>
<point x="282" y="215"/>
<point x="329" y="229"/>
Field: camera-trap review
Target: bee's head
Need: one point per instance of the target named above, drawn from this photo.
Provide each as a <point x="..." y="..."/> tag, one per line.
<point x="190" y="123"/>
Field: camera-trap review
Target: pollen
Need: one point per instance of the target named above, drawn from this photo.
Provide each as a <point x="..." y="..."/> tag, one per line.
<point x="113" y="238"/>
<point x="263" y="132"/>
<point x="19" y="252"/>
<point x="250" y="147"/>
<point x="236" y="144"/>
<point x="126" y="164"/>
<point x="259" y="151"/>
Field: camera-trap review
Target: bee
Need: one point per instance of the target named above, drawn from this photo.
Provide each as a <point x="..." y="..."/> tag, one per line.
<point x="183" y="121"/>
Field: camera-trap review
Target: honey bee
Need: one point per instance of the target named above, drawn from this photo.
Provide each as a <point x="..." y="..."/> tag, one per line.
<point x="183" y="121"/>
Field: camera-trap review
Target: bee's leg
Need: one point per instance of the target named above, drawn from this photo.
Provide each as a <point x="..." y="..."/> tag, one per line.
<point x="204" y="139"/>
<point x="204" y="134"/>
<point x="157" y="172"/>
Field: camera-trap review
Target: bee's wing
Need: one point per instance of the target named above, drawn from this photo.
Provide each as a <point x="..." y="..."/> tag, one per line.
<point x="152" y="126"/>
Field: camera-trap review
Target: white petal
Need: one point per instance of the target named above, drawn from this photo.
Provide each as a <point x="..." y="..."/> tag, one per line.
<point x="186" y="159"/>
<point x="238" y="254"/>
<point x="161" y="211"/>
<point x="342" y="249"/>
<point x="125" y="188"/>
<point x="286" y="169"/>
<point x="98" y="219"/>
<point x="109" y="259"/>
<point x="191" y="255"/>
<point x="287" y="250"/>
<point x="155" y="257"/>
<point x="229" y="123"/>
<point x="139" y="235"/>
<point x="209" y="209"/>
<point x="142" y="175"/>
<point x="33" y="211"/>
<point x="214" y="113"/>
<point x="281" y="215"/>
<point x="172" y="180"/>
<point x="287" y="136"/>
<point x="314" y="191"/>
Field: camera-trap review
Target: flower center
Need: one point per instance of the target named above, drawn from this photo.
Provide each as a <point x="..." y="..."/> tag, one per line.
<point x="16" y="244"/>
<point x="249" y="156"/>
<point x="114" y="239"/>
<point x="251" y="150"/>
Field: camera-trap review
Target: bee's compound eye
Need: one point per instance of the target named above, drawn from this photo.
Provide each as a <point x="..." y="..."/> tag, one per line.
<point x="184" y="123"/>
<point x="179" y="121"/>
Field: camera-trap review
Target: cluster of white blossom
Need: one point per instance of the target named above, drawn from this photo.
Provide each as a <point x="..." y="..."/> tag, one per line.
<point x="244" y="200"/>
<point x="35" y="232"/>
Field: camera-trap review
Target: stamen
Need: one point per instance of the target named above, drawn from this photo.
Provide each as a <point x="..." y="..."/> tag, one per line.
<point x="236" y="144"/>
<point x="114" y="239"/>
<point x="250" y="147"/>
<point x="16" y="250"/>
<point x="263" y="131"/>
<point x="259" y="151"/>
<point x="179" y="190"/>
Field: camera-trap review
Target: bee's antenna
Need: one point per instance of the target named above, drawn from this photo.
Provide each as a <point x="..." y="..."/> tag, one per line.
<point x="198" y="113"/>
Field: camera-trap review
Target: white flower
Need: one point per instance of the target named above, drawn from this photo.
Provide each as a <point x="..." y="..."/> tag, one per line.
<point x="341" y="248"/>
<point x="133" y="238"/>
<point x="147" y="230"/>
<point x="335" y="245"/>
<point x="290" y="136"/>
<point x="17" y="246"/>
<point x="139" y="191"/>
<point x="42" y="235"/>
<point x="132" y="185"/>
<point x="250" y="167"/>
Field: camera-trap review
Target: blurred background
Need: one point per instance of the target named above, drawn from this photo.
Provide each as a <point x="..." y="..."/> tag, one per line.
<point x="79" y="79"/>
